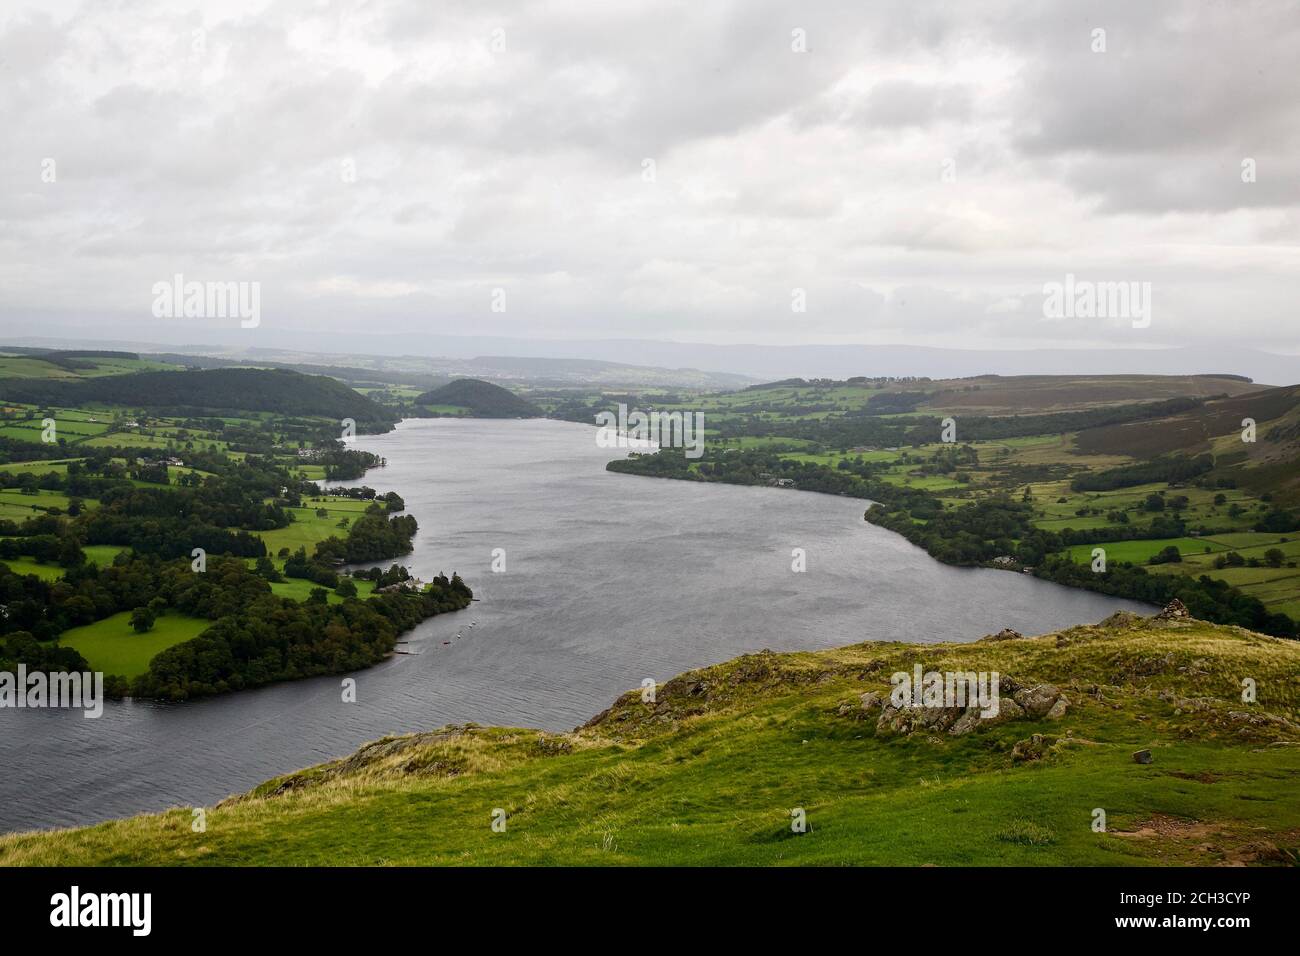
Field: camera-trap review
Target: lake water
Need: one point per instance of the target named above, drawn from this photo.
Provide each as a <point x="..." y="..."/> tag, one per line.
<point x="608" y="579"/>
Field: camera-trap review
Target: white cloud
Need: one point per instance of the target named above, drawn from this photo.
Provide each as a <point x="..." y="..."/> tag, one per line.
<point x="222" y="155"/>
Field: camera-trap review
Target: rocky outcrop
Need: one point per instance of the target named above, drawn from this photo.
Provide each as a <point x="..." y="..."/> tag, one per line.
<point x="1043" y="701"/>
<point x="1006" y="634"/>
<point x="1040" y="700"/>
<point x="1175" y="610"/>
<point x="971" y="719"/>
<point x="1035" y="747"/>
<point x="1122" y="620"/>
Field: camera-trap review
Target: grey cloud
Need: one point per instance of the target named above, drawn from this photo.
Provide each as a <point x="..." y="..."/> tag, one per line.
<point x="897" y="103"/>
<point x="775" y="169"/>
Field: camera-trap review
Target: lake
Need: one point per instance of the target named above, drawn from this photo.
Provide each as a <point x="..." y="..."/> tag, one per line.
<point x="608" y="579"/>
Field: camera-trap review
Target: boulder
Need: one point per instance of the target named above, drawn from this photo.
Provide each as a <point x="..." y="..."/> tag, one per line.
<point x="1033" y="748"/>
<point x="1037" y="701"/>
<point x="1142" y="756"/>
<point x="972" y="719"/>
<point x="1006" y="634"/>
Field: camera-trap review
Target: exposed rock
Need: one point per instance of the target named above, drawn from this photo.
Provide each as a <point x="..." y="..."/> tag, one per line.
<point x="1006" y="634"/>
<point x="872" y="700"/>
<point x="1033" y="748"/>
<point x="1008" y="709"/>
<point x="1175" y="610"/>
<point x="1058" y="709"/>
<point x="1188" y="703"/>
<point x="1271" y="721"/>
<point x="1008" y="685"/>
<point x="1122" y="619"/>
<point x="968" y="721"/>
<point x="1142" y="756"/>
<point x="1037" y="701"/>
<point x="972" y="718"/>
<point x="896" y="720"/>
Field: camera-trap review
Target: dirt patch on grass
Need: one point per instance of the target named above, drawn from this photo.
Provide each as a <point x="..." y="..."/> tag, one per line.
<point x="1166" y="827"/>
<point x="1213" y="844"/>
<point x="1205" y="776"/>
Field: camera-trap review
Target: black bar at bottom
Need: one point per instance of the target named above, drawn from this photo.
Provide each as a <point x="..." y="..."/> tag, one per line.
<point x="942" y="905"/>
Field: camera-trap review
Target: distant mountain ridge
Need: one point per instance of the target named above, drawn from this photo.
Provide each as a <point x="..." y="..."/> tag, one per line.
<point x="667" y="363"/>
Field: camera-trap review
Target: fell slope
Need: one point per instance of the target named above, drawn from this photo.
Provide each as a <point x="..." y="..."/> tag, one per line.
<point x="709" y="773"/>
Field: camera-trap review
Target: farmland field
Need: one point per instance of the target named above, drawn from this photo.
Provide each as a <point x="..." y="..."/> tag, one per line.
<point x="111" y="645"/>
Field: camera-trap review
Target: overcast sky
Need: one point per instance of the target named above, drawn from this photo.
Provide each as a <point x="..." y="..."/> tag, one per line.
<point x="794" y="146"/>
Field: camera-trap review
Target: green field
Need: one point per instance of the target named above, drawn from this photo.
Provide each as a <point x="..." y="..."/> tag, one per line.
<point x="308" y="528"/>
<point x="113" y="646"/>
<point x="1139" y="551"/>
<point x="37" y="467"/>
<point x="300" y="589"/>
<point x="46" y="572"/>
<point x="102" y="554"/>
<point x="1278" y="588"/>
<point x="17" y="505"/>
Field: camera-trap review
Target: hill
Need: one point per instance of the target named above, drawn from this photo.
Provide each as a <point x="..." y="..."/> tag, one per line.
<point x="16" y="362"/>
<point x="710" y="772"/>
<point x="245" y="389"/>
<point x="1043" y="394"/>
<point x="1267" y="464"/>
<point x="479" y="399"/>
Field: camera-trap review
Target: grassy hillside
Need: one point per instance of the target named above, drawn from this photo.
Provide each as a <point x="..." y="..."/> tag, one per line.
<point x="478" y="399"/>
<point x="18" y="362"/>
<point x="710" y="772"/>
<point x="246" y="389"/>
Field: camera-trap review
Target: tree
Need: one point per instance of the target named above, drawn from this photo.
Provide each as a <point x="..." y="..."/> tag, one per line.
<point x="1274" y="557"/>
<point x="265" y="568"/>
<point x="346" y="588"/>
<point x="1169" y="555"/>
<point x="142" y="619"/>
